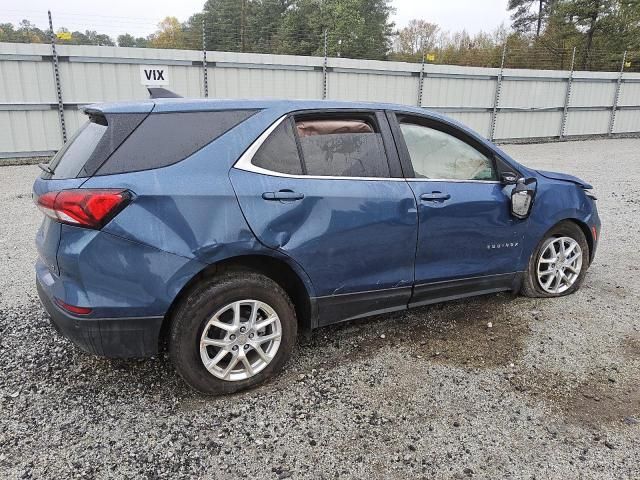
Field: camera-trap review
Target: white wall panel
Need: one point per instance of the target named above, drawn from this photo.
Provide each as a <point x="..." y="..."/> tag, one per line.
<point x="73" y="119"/>
<point x="264" y="83"/>
<point x="532" y="94"/>
<point x="373" y="87"/>
<point x="29" y="119"/>
<point x="29" y="131"/>
<point x="480" y="122"/>
<point x="26" y="82"/>
<point x="108" y="82"/>
<point x="588" y="122"/>
<point x="527" y="124"/>
<point x="588" y="94"/>
<point x="458" y="92"/>
<point x="627" y="121"/>
<point x="629" y="94"/>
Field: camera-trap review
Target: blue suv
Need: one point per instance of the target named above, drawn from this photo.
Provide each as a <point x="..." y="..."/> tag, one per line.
<point x="220" y="229"/>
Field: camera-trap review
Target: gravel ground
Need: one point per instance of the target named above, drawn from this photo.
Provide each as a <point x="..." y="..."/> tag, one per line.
<point x="551" y="390"/>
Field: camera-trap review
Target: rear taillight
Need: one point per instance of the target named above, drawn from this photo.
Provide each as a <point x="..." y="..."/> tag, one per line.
<point x="83" y="207"/>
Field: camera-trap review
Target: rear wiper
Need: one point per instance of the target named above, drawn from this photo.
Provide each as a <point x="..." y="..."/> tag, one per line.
<point x="45" y="167"/>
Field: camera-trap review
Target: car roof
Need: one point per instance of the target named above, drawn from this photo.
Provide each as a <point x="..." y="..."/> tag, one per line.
<point x="277" y="107"/>
<point x="161" y="105"/>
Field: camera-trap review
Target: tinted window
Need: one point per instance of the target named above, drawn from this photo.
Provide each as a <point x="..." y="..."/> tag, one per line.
<point x="279" y="153"/>
<point x="166" y="138"/>
<point x="120" y="127"/>
<point x="73" y="155"/>
<point x="436" y="154"/>
<point x="342" y="148"/>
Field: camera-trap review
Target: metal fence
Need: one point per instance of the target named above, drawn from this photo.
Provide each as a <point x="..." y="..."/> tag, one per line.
<point x="43" y="88"/>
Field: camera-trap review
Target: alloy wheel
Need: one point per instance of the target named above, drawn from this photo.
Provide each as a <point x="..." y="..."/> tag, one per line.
<point x="559" y="264"/>
<point x="240" y="340"/>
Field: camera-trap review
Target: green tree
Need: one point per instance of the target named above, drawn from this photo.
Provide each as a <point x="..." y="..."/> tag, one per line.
<point x="629" y="22"/>
<point x="591" y="24"/>
<point x="262" y="24"/>
<point x="530" y="15"/>
<point x="417" y="37"/>
<point x="142" y="42"/>
<point x="358" y="28"/>
<point x="588" y="14"/>
<point x="26" y="32"/>
<point x="599" y="29"/>
<point x="126" y="40"/>
<point x="89" y="37"/>
<point x="170" y="34"/>
<point x="225" y="24"/>
<point x="301" y="30"/>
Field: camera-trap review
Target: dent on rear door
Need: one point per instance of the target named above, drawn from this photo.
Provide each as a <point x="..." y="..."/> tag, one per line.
<point x="348" y="235"/>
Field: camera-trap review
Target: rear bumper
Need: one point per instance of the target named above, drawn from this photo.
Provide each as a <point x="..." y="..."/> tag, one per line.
<point x="109" y="337"/>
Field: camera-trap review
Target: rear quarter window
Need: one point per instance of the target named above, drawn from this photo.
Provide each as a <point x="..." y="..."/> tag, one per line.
<point x="68" y="162"/>
<point x="166" y="138"/>
<point x="279" y="153"/>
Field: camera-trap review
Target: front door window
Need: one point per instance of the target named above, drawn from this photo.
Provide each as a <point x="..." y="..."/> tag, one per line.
<point x="437" y="155"/>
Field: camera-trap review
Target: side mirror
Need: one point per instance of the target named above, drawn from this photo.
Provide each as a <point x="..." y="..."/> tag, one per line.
<point x="522" y="197"/>
<point x="509" y="178"/>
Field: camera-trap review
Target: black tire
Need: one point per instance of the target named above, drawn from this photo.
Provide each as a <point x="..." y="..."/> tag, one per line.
<point x="193" y="313"/>
<point x="530" y="284"/>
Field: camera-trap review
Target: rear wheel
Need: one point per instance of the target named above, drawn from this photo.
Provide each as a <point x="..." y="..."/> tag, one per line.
<point x="232" y="333"/>
<point x="559" y="263"/>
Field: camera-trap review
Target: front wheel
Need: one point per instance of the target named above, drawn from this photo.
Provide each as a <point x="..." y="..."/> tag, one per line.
<point x="559" y="264"/>
<point x="232" y="333"/>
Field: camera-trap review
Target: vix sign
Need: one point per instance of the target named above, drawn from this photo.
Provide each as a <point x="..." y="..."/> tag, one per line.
<point x="154" y="75"/>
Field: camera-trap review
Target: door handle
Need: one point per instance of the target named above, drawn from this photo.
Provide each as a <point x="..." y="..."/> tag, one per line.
<point x="283" y="195"/>
<point x="435" y="197"/>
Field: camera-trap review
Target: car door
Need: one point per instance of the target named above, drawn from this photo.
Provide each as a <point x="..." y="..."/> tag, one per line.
<point x="468" y="241"/>
<point x="326" y="189"/>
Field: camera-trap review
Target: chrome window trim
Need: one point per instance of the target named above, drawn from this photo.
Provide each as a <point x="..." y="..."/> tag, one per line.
<point x="245" y="163"/>
<point x="451" y="180"/>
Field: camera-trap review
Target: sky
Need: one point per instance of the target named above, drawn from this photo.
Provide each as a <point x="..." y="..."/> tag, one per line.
<point x="140" y="17"/>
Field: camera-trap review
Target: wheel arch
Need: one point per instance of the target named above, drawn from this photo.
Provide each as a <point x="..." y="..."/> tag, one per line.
<point x="291" y="278"/>
<point x="584" y="227"/>
<point x="585" y="230"/>
<point x="587" y="234"/>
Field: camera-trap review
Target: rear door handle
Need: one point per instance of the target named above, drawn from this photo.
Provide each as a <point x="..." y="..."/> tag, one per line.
<point x="283" y="195"/>
<point x="435" y="197"/>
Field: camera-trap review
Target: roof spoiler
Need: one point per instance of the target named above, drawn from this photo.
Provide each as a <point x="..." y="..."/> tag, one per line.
<point x="159" y="92"/>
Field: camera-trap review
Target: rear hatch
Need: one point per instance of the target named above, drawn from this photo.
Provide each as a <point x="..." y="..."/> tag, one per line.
<point x="79" y="159"/>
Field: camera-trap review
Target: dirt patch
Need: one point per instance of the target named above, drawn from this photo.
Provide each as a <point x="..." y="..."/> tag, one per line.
<point x="600" y="400"/>
<point x="483" y="332"/>
<point x="597" y="403"/>
<point x="631" y="346"/>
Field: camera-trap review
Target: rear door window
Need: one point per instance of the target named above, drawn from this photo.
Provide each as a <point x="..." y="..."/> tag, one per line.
<point x="342" y="146"/>
<point x="68" y="162"/>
